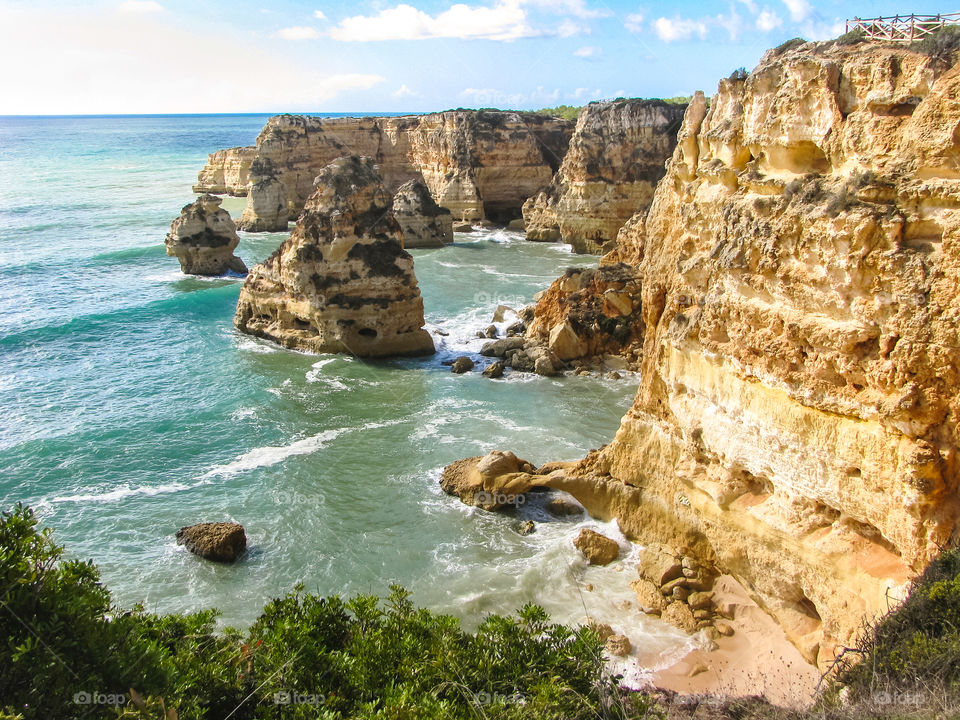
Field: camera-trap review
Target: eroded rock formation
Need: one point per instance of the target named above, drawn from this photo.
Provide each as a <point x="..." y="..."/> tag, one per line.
<point x="342" y="281"/>
<point x="203" y="238"/>
<point x="477" y="164"/>
<point x="615" y="159"/>
<point x="424" y="223"/>
<point x="796" y="425"/>
<point x="591" y="312"/>
<point x="227" y="172"/>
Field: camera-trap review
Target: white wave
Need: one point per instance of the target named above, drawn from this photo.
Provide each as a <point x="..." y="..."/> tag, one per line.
<point x="245" y="342"/>
<point x="125" y="491"/>
<point x="273" y="454"/>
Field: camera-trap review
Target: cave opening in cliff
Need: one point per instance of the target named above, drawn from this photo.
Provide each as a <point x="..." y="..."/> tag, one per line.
<point x="501" y="212"/>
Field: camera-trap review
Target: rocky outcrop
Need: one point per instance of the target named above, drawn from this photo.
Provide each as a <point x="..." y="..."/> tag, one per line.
<point x="477" y="164"/>
<point x="591" y="312"/>
<point x="227" y="172"/>
<point x="424" y="223"/>
<point x="221" y="542"/>
<point x="615" y="159"/>
<point x="342" y="281"/>
<point x="796" y="426"/>
<point x="203" y="239"/>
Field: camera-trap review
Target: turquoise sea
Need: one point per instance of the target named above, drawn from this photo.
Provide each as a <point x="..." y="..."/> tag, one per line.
<point x="131" y="407"/>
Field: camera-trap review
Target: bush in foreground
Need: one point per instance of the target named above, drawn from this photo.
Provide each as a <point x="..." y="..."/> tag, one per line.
<point x="67" y="652"/>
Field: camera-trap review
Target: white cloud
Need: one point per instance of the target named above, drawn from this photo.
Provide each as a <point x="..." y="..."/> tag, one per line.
<point x="568" y="28"/>
<point x="298" y="32"/>
<point x="732" y="23"/>
<point x="403" y="92"/>
<point x="678" y="28"/>
<point x="749" y="5"/>
<point x="768" y="20"/>
<point x="140" y="7"/>
<point x="488" y="97"/>
<point x="108" y="62"/>
<point x="318" y="14"/>
<point x="577" y="8"/>
<point x="800" y="10"/>
<point x="504" y="21"/>
<point x="634" y="22"/>
<point x="584" y="93"/>
<point x="587" y="51"/>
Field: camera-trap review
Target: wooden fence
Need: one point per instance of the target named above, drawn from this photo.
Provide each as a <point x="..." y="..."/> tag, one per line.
<point x="902" y="28"/>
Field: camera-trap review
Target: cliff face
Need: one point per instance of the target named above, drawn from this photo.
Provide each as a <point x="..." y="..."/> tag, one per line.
<point x="227" y="172"/>
<point x="616" y="157"/>
<point x="423" y="222"/>
<point x="477" y="164"/>
<point x="342" y="281"/>
<point x="796" y="425"/>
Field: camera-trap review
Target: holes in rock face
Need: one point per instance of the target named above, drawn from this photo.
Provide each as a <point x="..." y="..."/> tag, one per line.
<point x="367" y="333"/>
<point x="301" y="324"/>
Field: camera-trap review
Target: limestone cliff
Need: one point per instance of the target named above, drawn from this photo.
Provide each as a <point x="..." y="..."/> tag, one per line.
<point x="423" y="222"/>
<point x="342" y="281"/>
<point x="477" y="164"/>
<point x="616" y="157"/>
<point x="796" y="425"/>
<point x="203" y="238"/>
<point x="227" y="172"/>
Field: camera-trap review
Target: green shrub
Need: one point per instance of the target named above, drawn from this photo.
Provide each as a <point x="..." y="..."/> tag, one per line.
<point x="942" y="45"/>
<point x="304" y="657"/>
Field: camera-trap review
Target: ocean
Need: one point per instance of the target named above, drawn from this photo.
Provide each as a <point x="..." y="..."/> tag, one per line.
<point x="131" y="406"/>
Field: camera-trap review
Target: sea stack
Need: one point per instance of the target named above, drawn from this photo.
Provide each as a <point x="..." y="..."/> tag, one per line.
<point x="424" y="223"/>
<point x="342" y="281"/>
<point x="203" y="239"/>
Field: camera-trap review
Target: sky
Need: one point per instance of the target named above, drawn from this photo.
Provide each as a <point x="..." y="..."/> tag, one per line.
<point x="235" y="56"/>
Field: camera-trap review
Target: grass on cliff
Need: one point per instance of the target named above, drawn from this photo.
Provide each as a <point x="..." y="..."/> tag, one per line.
<point x="67" y="652"/>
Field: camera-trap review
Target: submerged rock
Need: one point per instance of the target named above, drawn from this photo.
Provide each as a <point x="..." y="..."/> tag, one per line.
<point x="220" y="541"/>
<point x="462" y="364"/>
<point x="424" y="223"/>
<point x="203" y="239"/>
<point x="341" y="282"/>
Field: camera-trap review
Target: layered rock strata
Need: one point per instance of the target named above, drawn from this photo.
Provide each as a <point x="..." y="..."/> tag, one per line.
<point x="203" y="238"/>
<point x="616" y="157"/>
<point x="227" y="172"/>
<point x="342" y="281"/>
<point x="424" y="223"/>
<point x="477" y="164"/>
<point x="796" y="422"/>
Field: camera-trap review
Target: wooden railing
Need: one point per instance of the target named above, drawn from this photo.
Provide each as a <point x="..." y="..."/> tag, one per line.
<point x="902" y="28"/>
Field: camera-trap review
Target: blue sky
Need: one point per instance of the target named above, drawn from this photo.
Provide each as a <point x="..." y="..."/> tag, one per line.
<point x="145" y="56"/>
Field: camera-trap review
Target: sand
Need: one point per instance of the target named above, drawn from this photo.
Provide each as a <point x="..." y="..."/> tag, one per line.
<point x="756" y="660"/>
